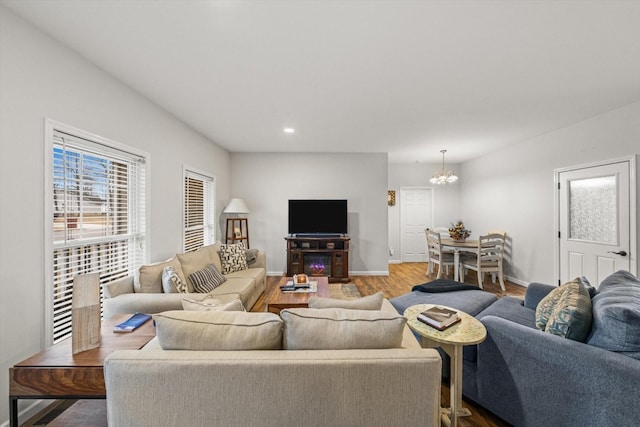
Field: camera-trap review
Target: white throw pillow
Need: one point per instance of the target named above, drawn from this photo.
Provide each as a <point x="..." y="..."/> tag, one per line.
<point x="171" y="281"/>
<point x="370" y="302"/>
<point x="212" y="304"/>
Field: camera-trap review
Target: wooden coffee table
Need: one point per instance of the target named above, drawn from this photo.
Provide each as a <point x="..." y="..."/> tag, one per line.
<point x="277" y="300"/>
<point x="56" y="373"/>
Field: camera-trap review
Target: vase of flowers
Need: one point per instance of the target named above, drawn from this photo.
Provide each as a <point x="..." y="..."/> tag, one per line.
<point x="458" y="232"/>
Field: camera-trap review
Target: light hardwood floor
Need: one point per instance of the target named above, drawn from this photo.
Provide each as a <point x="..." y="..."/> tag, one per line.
<point x="401" y="278"/>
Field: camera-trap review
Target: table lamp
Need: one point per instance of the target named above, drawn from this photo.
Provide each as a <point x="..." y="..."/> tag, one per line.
<point x="237" y="228"/>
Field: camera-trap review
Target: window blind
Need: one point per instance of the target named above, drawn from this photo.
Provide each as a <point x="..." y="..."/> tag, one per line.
<point x="199" y="211"/>
<point x="98" y="217"/>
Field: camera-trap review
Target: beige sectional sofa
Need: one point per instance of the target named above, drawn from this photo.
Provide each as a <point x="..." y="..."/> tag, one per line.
<point x="277" y="382"/>
<point x="144" y="292"/>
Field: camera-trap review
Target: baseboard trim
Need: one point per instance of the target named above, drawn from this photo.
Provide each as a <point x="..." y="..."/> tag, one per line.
<point x="395" y="261"/>
<point x="369" y="273"/>
<point x="517" y="281"/>
<point x="351" y="273"/>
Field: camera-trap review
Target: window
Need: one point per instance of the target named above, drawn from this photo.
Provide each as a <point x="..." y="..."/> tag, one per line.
<point x="199" y="210"/>
<point x="96" y="219"/>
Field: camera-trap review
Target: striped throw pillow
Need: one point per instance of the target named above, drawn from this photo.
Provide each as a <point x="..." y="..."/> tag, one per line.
<point x="207" y="279"/>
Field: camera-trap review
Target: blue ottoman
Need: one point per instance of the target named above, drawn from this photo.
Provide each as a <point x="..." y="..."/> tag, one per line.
<point x="471" y="302"/>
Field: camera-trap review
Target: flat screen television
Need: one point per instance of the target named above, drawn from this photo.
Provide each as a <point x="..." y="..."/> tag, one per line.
<point x="317" y="217"/>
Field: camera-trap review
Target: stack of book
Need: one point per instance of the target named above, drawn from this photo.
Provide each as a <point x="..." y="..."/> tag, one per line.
<point x="302" y="288"/>
<point x="439" y="317"/>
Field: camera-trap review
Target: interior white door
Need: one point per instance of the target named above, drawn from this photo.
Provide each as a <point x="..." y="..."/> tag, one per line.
<point x="594" y="221"/>
<point x="416" y="213"/>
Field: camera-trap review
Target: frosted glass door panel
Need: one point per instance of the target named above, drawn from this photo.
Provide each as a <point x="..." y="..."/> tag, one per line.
<point x="593" y="214"/>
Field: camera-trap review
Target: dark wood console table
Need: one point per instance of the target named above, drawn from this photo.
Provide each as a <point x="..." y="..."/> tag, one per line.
<point x="56" y="373"/>
<point x="319" y="256"/>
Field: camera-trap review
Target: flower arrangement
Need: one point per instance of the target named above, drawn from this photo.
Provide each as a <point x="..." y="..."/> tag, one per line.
<point x="458" y="232"/>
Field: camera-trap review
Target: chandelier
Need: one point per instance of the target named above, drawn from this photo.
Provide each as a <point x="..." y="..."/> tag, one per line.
<point x="443" y="177"/>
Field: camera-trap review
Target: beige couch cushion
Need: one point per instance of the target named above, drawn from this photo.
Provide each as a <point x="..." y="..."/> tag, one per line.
<point x="149" y="277"/>
<point x="197" y="260"/>
<point x="370" y="302"/>
<point x="252" y="273"/>
<point x="341" y="329"/>
<point x="218" y="330"/>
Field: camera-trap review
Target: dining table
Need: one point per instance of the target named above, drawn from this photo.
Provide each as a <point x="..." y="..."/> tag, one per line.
<point x="457" y="246"/>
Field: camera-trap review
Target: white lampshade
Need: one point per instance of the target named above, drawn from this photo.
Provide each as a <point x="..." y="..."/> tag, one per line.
<point x="236" y="206"/>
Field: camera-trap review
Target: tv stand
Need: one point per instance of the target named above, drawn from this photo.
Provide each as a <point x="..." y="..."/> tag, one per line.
<point x="319" y="256"/>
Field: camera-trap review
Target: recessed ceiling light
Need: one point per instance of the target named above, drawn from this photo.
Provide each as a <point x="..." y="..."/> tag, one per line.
<point x="289" y="130"/>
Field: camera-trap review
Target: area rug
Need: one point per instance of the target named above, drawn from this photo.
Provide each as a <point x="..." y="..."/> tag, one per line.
<point x="344" y="291"/>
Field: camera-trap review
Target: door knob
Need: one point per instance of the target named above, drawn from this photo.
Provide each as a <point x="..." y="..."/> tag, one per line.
<point x="621" y="253"/>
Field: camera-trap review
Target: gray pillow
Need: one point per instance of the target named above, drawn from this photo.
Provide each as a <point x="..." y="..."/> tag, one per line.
<point x="251" y="255"/>
<point x="616" y="315"/>
<point x="370" y="302"/>
<point x="341" y="329"/>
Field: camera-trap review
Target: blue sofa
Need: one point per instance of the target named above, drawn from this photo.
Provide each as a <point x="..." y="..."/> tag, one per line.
<point x="532" y="378"/>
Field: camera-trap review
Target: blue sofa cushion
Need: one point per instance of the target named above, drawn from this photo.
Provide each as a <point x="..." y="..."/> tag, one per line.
<point x="616" y="315"/>
<point x="508" y="308"/>
<point x="512" y="309"/>
<point x="566" y="311"/>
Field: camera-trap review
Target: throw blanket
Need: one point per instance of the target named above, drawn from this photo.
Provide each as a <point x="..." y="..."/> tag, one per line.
<point x="443" y="285"/>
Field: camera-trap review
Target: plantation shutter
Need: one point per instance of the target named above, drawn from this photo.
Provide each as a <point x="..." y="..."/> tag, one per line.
<point x="98" y="217"/>
<point x="199" y="229"/>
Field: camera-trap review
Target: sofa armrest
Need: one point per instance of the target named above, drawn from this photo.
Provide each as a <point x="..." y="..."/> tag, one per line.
<point x="532" y="378"/>
<point x="118" y="287"/>
<point x="535" y="293"/>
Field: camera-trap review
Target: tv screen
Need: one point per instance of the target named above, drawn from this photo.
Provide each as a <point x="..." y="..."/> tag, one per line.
<point x="317" y="217"/>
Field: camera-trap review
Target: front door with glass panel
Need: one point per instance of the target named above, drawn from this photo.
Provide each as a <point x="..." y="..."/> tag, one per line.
<point x="594" y="221"/>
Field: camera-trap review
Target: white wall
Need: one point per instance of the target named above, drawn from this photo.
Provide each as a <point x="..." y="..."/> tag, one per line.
<point x="266" y="181"/>
<point x="513" y="189"/>
<point x="40" y="78"/>
<point x="446" y="198"/>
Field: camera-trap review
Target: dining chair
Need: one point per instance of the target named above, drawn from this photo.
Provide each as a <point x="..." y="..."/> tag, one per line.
<point x="488" y="258"/>
<point x="504" y="250"/>
<point x="436" y="255"/>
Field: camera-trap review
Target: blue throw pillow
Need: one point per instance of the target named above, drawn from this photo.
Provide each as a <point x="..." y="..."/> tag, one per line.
<point x="566" y="311"/>
<point x="616" y="315"/>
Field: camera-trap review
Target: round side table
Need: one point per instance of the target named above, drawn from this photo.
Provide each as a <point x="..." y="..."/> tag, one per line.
<point x="466" y="332"/>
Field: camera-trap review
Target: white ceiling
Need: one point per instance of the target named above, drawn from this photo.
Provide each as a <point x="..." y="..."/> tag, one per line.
<point x="404" y="77"/>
